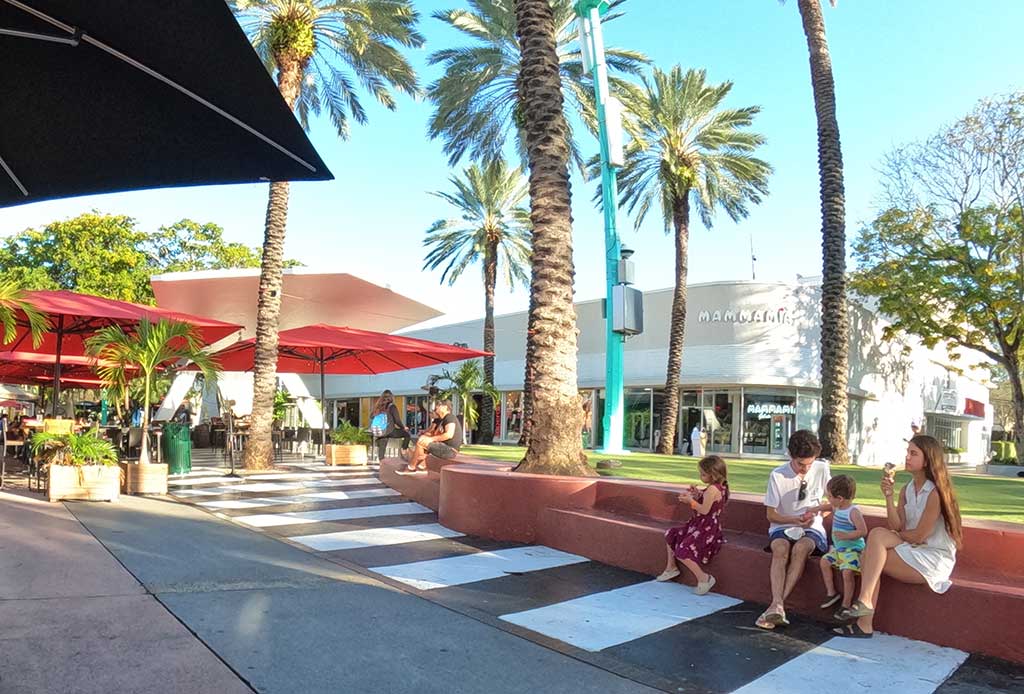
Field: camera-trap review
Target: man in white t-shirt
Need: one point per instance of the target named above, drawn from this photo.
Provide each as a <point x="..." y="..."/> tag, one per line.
<point x="795" y="498"/>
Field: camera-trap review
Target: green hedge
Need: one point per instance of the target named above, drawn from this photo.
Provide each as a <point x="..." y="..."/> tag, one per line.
<point x="1004" y="450"/>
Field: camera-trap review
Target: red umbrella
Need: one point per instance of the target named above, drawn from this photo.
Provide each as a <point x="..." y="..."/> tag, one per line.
<point x="75" y="317"/>
<point x="32" y="368"/>
<point x="330" y="349"/>
<point x="13" y="403"/>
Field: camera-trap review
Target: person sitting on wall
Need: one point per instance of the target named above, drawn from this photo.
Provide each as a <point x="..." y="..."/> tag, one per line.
<point x="794" y="501"/>
<point x="442" y="441"/>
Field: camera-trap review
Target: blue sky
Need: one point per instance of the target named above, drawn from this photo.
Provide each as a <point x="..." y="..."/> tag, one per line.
<point x="903" y="68"/>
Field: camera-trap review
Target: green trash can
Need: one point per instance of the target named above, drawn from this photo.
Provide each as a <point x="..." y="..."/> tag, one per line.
<point x="176" y="446"/>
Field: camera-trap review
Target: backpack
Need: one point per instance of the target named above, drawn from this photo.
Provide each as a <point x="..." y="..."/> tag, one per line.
<point x="379" y="424"/>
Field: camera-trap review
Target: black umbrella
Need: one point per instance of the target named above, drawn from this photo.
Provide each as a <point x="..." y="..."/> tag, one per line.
<point x="106" y="95"/>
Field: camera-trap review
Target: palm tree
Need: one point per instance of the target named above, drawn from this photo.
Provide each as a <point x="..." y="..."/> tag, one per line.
<point x="12" y="302"/>
<point x="835" y="322"/>
<point x="151" y="348"/>
<point x="556" y="446"/>
<point x="320" y="50"/>
<point x="466" y="381"/>
<point x="477" y="101"/>
<point x="689" y="153"/>
<point x="492" y="228"/>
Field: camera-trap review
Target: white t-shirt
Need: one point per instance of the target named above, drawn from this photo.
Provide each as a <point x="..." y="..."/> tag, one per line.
<point x="784" y="488"/>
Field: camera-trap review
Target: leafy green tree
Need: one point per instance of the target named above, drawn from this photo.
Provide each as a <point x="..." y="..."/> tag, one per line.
<point x="13" y="302"/>
<point x="467" y="381"/>
<point x="945" y="258"/>
<point x="320" y="50"/>
<point x="835" y="321"/>
<point x="92" y="253"/>
<point x="477" y="100"/>
<point x="150" y="349"/>
<point x="492" y="229"/>
<point x="555" y="445"/>
<point x="187" y="245"/>
<point x="689" y="153"/>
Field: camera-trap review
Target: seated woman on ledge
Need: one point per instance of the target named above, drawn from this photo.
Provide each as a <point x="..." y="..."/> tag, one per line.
<point x="924" y="533"/>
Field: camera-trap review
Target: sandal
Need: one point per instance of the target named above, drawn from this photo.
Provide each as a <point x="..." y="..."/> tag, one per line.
<point x="852" y="631"/>
<point x="776" y="619"/>
<point x="831" y="600"/>
<point x="667" y="575"/>
<point x="842" y="614"/>
<point x="860" y="610"/>
<point x="703" y="587"/>
<point x="763" y="623"/>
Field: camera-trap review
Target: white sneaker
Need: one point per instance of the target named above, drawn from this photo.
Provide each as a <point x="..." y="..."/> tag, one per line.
<point x="704" y="586"/>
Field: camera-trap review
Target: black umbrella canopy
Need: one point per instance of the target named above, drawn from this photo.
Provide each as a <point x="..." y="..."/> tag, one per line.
<point x="95" y="100"/>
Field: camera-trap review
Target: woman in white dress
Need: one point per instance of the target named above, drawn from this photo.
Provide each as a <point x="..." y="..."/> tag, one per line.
<point x="697" y="442"/>
<point x="924" y="533"/>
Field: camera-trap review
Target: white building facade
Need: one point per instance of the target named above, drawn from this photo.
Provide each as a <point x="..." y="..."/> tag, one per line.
<point x="750" y="377"/>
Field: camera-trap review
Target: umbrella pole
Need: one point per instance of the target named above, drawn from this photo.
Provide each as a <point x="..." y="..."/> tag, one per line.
<point x="323" y="407"/>
<point x="56" y="366"/>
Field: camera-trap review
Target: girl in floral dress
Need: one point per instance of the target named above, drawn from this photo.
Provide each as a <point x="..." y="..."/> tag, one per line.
<point x="695" y="543"/>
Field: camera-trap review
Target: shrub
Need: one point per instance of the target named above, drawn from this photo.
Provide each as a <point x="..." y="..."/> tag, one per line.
<point x="350" y="435"/>
<point x="73" y="449"/>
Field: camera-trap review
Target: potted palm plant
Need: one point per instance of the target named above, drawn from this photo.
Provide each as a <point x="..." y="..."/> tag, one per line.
<point x="348" y="445"/>
<point x="466" y="381"/>
<point x="149" y="350"/>
<point x="80" y="466"/>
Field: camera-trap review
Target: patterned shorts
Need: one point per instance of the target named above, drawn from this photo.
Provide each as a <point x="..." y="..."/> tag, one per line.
<point x="843" y="559"/>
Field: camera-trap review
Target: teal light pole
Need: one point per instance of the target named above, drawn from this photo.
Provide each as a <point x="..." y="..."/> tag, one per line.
<point x="589" y="13"/>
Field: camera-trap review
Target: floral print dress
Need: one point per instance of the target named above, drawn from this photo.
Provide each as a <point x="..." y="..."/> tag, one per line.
<point x="701" y="537"/>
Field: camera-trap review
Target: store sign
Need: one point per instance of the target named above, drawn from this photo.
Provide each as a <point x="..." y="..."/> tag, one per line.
<point x="757" y="315"/>
<point x="765" y="410"/>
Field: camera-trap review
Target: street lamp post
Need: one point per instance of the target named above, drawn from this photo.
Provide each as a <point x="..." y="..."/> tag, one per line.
<point x="589" y="14"/>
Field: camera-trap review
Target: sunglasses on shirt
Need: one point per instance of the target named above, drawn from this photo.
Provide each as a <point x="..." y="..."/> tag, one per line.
<point x="802" y="494"/>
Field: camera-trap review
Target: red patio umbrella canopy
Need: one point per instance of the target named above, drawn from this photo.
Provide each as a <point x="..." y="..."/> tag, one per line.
<point x="27" y="368"/>
<point x="345" y="351"/>
<point x="74" y="317"/>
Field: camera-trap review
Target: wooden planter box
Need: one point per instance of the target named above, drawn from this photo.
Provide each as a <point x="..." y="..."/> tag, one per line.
<point x="150" y="478"/>
<point x="90" y="482"/>
<point x="346" y="455"/>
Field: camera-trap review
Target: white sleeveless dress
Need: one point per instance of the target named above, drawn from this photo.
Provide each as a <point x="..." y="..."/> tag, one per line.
<point x="935" y="557"/>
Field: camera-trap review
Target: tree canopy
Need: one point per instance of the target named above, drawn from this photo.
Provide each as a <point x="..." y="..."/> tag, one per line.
<point x="111" y="255"/>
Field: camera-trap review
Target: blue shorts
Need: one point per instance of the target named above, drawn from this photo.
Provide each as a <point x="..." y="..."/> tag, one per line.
<point x="820" y="543"/>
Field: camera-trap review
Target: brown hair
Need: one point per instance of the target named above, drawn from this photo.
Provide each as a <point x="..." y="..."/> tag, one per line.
<point x="936" y="471"/>
<point x="714" y="467"/>
<point x="383" y="402"/>
<point x="804" y="444"/>
<point x="842" y="486"/>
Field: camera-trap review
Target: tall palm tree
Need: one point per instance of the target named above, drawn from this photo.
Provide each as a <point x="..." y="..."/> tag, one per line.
<point x="689" y="153"/>
<point x="492" y="228"/>
<point x="151" y="348"/>
<point x="835" y="321"/>
<point x="321" y="50"/>
<point x="13" y="301"/>
<point x="476" y="102"/>
<point x="556" y="446"/>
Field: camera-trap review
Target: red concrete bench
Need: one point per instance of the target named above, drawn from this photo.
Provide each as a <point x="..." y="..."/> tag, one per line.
<point x="426" y="489"/>
<point x="621" y="522"/>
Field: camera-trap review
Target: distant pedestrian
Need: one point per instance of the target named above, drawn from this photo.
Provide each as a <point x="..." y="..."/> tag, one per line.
<point x="697" y="438"/>
<point x="696" y="542"/>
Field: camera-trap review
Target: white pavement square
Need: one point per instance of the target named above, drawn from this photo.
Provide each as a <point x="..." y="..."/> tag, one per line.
<point x="883" y="663"/>
<point x="268" y="520"/>
<point x="453" y="571"/>
<point x="375" y="537"/>
<point x="357" y="494"/>
<point x="235" y="504"/>
<point x="599" y="621"/>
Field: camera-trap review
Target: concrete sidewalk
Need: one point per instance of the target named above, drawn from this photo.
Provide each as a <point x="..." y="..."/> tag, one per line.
<point x="73" y="620"/>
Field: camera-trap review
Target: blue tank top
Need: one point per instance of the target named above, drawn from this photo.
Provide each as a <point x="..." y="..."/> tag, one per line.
<point x="841" y="522"/>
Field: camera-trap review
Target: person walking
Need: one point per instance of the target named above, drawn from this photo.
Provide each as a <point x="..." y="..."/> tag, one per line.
<point x="697" y="438"/>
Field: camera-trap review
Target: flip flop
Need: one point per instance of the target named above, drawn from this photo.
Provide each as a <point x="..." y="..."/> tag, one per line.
<point x="763" y="623"/>
<point x="858" y="609"/>
<point x="776" y="619"/>
<point x="852" y="631"/>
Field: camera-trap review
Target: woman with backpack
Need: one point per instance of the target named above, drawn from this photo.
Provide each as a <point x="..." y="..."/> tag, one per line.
<point x="386" y="423"/>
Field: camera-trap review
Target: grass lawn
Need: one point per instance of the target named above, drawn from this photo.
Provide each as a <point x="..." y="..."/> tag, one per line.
<point x="992" y="498"/>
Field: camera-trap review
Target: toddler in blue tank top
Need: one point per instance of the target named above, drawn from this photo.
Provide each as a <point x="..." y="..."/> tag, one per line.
<point x="848" y="532"/>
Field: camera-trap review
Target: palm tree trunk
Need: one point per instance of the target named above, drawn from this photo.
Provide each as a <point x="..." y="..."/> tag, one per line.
<point x="677" y="330"/>
<point x="527" y="402"/>
<point x="144" y="450"/>
<point x="490" y="282"/>
<point x="835" y="327"/>
<point x="1012" y="367"/>
<point x="259" y="448"/>
<point x="556" y="446"/>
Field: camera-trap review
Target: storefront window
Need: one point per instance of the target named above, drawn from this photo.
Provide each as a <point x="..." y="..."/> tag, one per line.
<point x="718" y="419"/>
<point x="768" y="421"/>
<point x="637" y="428"/>
<point x="417" y="415"/>
<point x="808" y="411"/>
<point x="689" y="417"/>
<point x="513" y="415"/>
<point x="657" y="402"/>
